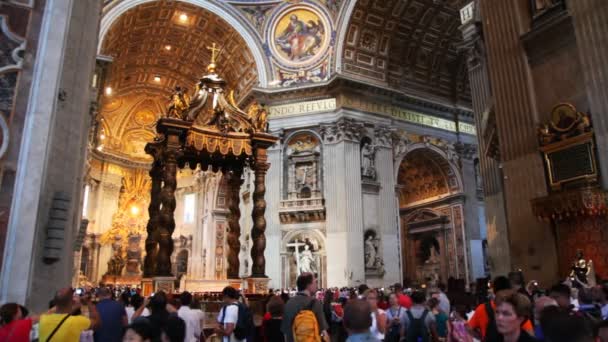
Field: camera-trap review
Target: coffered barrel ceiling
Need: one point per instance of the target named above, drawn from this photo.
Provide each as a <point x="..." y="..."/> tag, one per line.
<point x="155" y="47"/>
<point x="409" y="45"/>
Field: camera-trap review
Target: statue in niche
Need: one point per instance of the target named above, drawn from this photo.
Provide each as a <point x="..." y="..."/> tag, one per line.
<point x="430" y="250"/>
<point x="374" y="264"/>
<point x="368" y="156"/>
<point x="303" y="256"/>
<point x="304" y="175"/>
<point x="307" y="261"/>
<point x="370" y="252"/>
<point x="582" y="274"/>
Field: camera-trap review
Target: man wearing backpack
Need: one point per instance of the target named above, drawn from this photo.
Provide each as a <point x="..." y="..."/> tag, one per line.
<point x="235" y="319"/>
<point x="303" y="318"/>
<point x="419" y="321"/>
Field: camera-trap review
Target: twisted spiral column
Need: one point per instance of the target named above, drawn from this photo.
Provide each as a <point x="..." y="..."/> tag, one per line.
<point x="151" y="228"/>
<point x="234" y="229"/>
<point x="259" y="208"/>
<point x="166" y="221"/>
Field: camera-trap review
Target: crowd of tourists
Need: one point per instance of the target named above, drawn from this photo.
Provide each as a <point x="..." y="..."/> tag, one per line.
<point x="502" y="311"/>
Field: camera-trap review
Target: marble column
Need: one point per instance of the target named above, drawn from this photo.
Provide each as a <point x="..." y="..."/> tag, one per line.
<point x="590" y="18"/>
<point x="273" y="229"/>
<point x="234" y="228"/>
<point x="53" y="147"/>
<point x="387" y="220"/>
<point x="343" y="199"/>
<point x="196" y="261"/>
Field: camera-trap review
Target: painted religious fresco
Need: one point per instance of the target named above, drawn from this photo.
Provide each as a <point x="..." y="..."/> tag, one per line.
<point x="299" y="35"/>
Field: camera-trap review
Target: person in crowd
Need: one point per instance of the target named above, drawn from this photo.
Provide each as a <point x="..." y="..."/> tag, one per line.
<point x="562" y="325"/>
<point x="113" y="317"/>
<point x="229" y="314"/>
<point x="457" y="325"/>
<point x="404" y="300"/>
<point x="272" y="326"/>
<point x="15" y="326"/>
<point x="587" y="307"/>
<point x="378" y="328"/>
<point x="444" y="301"/>
<point x="512" y="310"/>
<point x="600" y="299"/>
<point x="383" y="300"/>
<point x="358" y="321"/>
<point x="136" y="302"/>
<point x="190" y="317"/>
<point x="307" y="286"/>
<point x="539" y="305"/>
<point x="561" y="293"/>
<point x="159" y="313"/>
<point x="604" y="302"/>
<point x="395" y="316"/>
<point x="441" y="318"/>
<point x="419" y="321"/>
<point x="328" y="310"/>
<point x="61" y="324"/>
<point x="338" y="317"/>
<point x="175" y="330"/>
<point x="140" y="331"/>
<point x="482" y="324"/>
<point x="602" y="332"/>
<point x="196" y="307"/>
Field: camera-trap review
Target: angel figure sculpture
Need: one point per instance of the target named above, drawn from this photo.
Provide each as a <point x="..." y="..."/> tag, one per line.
<point x="180" y="102"/>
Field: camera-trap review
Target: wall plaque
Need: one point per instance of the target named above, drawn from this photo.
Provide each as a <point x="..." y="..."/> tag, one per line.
<point x="567" y="145"/>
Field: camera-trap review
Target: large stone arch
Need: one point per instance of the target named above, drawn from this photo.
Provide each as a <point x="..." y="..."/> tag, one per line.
<point x="440" y="157"/>
<point x="430" y="198"/>
<point x="118" y="8"/>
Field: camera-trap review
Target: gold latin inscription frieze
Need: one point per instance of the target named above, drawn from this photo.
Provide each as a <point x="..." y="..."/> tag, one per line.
<point x="331" y="104"/>
<point x="307" y="107"/>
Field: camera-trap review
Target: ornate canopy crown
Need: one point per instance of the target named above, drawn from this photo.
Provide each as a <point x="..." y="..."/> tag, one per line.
<point x="209" y="122"/>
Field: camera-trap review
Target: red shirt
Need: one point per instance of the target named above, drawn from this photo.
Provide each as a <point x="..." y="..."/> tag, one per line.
<point x="404" y="301"/>
<point x="16" y="331"/>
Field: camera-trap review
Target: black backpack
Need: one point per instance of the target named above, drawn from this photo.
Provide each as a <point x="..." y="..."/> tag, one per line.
<point x="492" y="334"/>
<point x="244" y="325"/>
<point x="417" y="329"/>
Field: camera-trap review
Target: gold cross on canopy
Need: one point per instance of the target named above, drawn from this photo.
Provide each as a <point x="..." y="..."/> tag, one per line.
<point x="213" y="50"/>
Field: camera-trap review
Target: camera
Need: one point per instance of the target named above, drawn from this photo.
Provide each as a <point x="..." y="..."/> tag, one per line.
<point x="79" y="292"/>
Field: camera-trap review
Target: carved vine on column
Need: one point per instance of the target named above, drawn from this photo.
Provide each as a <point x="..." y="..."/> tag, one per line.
<point x="259" y="208"/>
<point x="234" y="229"/>
<point x="166" y="220"/>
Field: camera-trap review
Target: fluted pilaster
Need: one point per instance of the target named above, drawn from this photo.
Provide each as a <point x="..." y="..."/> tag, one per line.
<point x="590" y="18"/>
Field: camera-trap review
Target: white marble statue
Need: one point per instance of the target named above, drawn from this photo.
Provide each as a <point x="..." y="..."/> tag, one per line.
<point x="433" y="257"/>
<point x="368" y="156"/>
<point x="306" y="261"/>
<point x="370" y="252"/>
